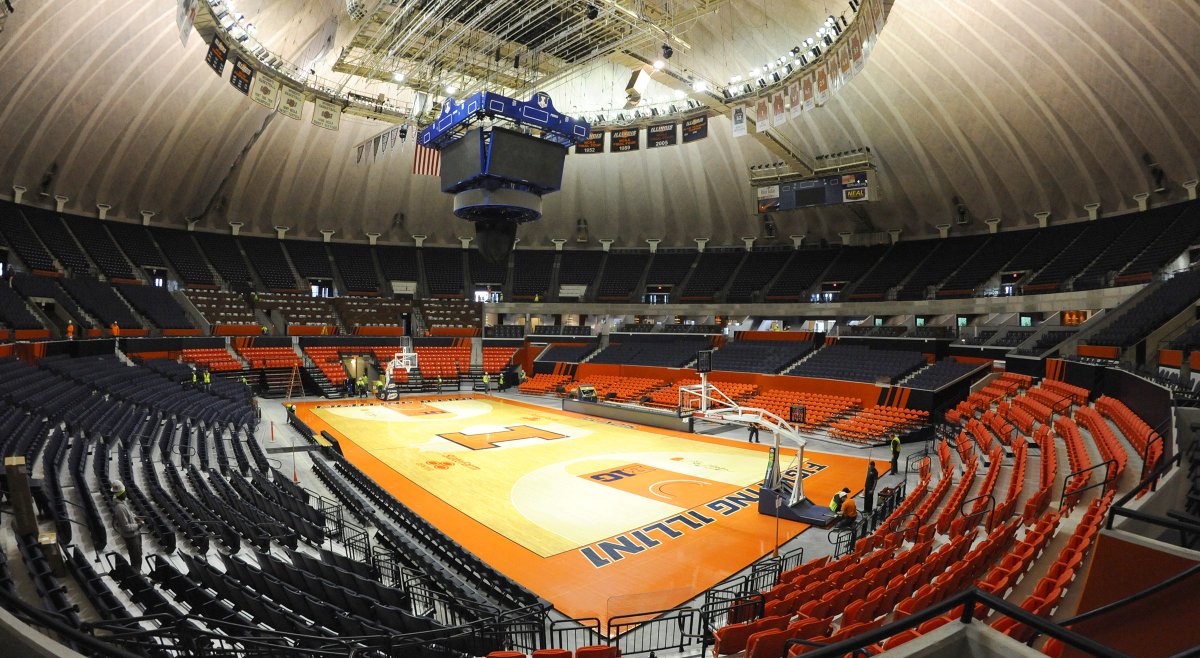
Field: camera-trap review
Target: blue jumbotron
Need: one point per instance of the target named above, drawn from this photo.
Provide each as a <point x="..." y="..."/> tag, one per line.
<point x="538" y="112"/>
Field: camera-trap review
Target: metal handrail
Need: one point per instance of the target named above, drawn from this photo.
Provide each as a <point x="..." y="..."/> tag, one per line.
<point x="968" y="599"/>
<point x="1159" y="470"/>
<point x="1109" y="476"/>
<point x="990" y="509"/>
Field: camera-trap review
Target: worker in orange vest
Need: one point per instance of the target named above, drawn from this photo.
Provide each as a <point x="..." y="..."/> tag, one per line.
<point x="70" y="330"/>
<point x="116" y="330"/>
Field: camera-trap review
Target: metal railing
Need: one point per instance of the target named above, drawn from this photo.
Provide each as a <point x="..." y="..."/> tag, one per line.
<point x="969" y="600"/>
<point x="1110" y="468"/>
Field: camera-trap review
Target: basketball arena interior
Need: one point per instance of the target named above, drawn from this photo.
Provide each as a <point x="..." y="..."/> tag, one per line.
<point x="596" y="328"/>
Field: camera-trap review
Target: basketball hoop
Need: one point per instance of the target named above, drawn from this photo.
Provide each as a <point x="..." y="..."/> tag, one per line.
<point x="402" y="360"/>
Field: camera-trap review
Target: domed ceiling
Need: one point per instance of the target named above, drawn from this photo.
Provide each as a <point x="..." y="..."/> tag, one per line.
<point x="1002" y="107"/>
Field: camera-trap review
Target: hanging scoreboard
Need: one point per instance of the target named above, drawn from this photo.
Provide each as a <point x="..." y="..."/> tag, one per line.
<point x="810" y="192"/>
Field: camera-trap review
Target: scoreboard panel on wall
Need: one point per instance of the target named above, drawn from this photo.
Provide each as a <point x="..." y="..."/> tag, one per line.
<point x="810" y="192"/>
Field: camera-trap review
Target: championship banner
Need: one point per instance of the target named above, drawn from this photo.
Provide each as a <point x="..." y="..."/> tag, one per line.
<point x="794" y="100"/>
<point x="856" y="51"/>
<point x="844" y="63"/>
<point x="835" y="75"/>
<point x="265" y="92"/>
<point x="625" y="140"/>
<point x="876" y="14"/>
<point x="661" y="134"/>
<point x="292" y="105"/>
<point x="326" y="115"/>
<point x="217" y="53"/>
<point x="739" y="121"/>
<point x="593" y="144"/>
<point x="822" y="84"/>
<point x="778" y="112"/>
<point x="185" y="17"/>
<point x="242" y="76"/>
<point x="762" y="115"/>
<point x="808" y="92"/>
<point x="695" y="128"/>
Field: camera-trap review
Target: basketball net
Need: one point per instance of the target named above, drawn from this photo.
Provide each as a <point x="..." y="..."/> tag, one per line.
<point x="402" y="360"/>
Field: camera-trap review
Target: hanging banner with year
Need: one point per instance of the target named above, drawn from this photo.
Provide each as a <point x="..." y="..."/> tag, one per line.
<point x="216" y="55"/>
<point x="593" y="144"/>
<point x="625" y="140"/>
<point x="695" y="129"/>
<point x="242" y="76"/>
<point x="661" y="134"/>
<point x="292" y="103"/>
<point x="326" y="115"/>
<point x="265" y="92"/>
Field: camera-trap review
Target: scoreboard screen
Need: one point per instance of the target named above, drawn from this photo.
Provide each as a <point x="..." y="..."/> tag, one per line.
<point x="810" y="192"/>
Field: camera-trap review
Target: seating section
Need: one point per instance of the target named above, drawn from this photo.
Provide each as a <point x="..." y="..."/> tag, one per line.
<point x="33" y="285"/>
<point x="223" y="252"/>
<point x="100" y="301"/>
<point x="1181" y="234"/>
<point x="618" y="389"/>
<point x="222" y="307"/>
<point x="356" y="264"/>
<point x="269" y="357"/>
<point x="820" y="409"/>
<point x="669" y="269"/>
<point x="53" y="233"/>
<point x="801" y="273"/>
<point x="156" y="305"/>
<point x="1048" y="339"/>
<point x="105" y="253"/>
<point x="1013" y="337"/>
<point x="984" y="263"/>
<point x="399" y="263"/>
<point x="1142" y="229"/>
<point x="531" y="274"/>
<point x="1045" y="245"/>
<point x="859" y="363"/>
<point x="756" y="272"/>
<point x="297" y="308"/>
<point x="310" y="259"/>
<point x="217" y="359"/>
<point x="674" y="354"/>
<point x="496" y="359"/>
<point x="1093" y="239"/>
<point x="765" y="356"/>
<point x="485" y="273"/>
<point x="185" y="257"/>
<point x="443" y="271"/>
<point x="851" y="264"/>
<point x="878" y="424"/>
<point x="579" y="268"/>
<point x="897" y="263"/>
<point x="448" y="362"/>
<point x="713" y="271"/>
<point x="688" y="328"/>
<point x="946" y="258"/>
<point x="14" y="314"/>
<point x="939" y="374"/>
<point x="268" y="259"/>
<point x="370" y="312"/>
<point x="22" y="239"/>
<point x="568" y="353"/>
<point x="544" y="384"/>
<point x="668" y="396"/>
<point x="562" y="330"/>
<point x="622" y="271"/>
<point x="505" y="331"/>
<point x="1151" y="310"/>
<point x="451" y="313"/>
<point x="135" y="241"/>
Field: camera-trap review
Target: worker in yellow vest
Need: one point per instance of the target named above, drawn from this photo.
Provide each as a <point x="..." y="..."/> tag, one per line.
<point x="207" y="379"/>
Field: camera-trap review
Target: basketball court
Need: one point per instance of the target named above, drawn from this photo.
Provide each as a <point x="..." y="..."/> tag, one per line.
<point x="599" y="517"/>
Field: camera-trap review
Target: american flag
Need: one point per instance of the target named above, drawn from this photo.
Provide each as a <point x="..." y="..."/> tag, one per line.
<point x="427" y="162"/>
